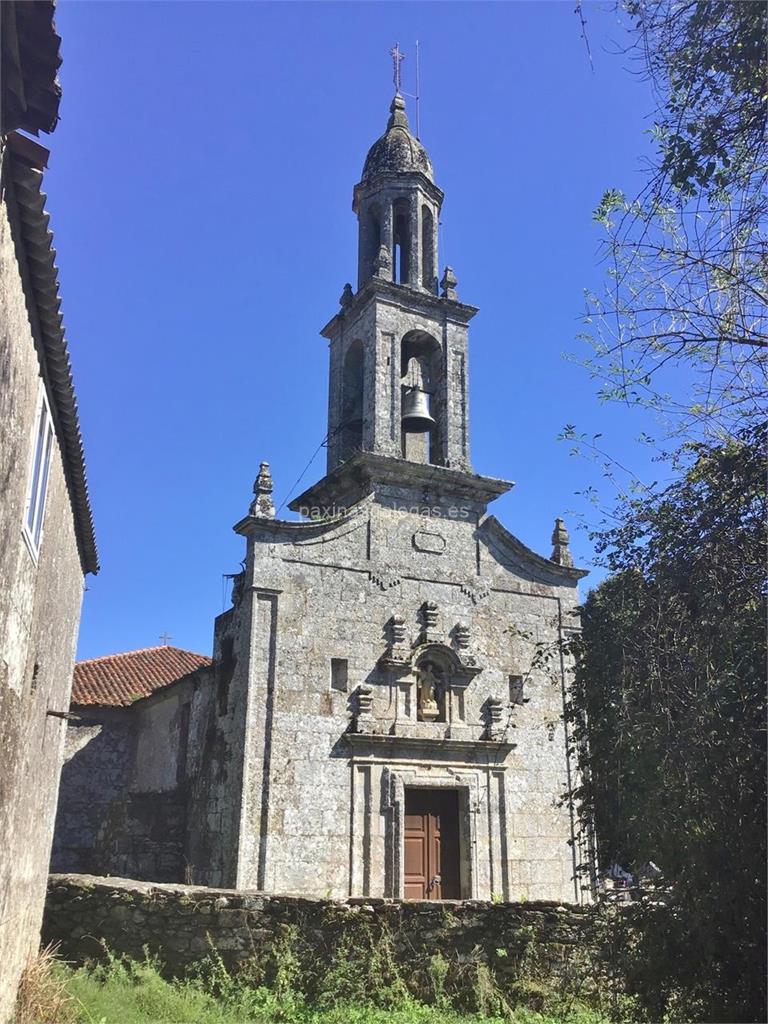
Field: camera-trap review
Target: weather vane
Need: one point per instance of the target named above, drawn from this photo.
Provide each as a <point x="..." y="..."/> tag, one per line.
<point x="397" y="60"/>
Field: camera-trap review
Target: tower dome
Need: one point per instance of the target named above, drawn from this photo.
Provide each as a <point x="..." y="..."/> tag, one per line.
<point x="397" y="151"/>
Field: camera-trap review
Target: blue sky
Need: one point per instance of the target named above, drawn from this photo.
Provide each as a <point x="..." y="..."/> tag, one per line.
<point x="200" y="189"/>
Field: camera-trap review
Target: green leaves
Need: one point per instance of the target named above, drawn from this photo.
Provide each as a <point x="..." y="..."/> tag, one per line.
<point x="668" y="712"/>
<point x="682" y="326"/>
<point x="714" y="116"/>
<point x="611" y="201"/>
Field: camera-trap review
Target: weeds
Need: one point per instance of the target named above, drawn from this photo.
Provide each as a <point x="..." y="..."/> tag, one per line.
<point x="359" y="983"/>
<point x="43" y="995"/>
<point x="437" y="972"/>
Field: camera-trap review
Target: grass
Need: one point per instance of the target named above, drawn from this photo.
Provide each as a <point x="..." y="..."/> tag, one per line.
<point x="125" y="991"/>
<point x="43" y="995"/>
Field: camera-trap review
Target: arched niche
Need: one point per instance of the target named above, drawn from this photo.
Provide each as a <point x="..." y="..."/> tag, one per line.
<point x="352" y="400"/>
<point x="439" y="674"/>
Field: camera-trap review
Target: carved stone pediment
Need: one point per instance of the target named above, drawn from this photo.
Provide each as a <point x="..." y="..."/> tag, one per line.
<point x="461" y="665"/>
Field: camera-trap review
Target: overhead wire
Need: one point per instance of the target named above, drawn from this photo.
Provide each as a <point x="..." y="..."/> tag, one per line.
<point x="301" y="475"/>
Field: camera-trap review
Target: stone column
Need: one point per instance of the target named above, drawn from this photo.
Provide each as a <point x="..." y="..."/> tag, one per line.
<point x="456" y="440"/>
<point x="386" y="229"/>
<point x="334" y="401"/>
<point x="362" y="250"/>
<point x="414" y="256"/>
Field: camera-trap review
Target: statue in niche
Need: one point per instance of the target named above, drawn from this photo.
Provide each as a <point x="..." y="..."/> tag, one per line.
<point x="429" y="692"/>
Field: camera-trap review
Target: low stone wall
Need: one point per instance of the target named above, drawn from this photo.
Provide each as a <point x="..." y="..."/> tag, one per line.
<point x="181" y="923"/>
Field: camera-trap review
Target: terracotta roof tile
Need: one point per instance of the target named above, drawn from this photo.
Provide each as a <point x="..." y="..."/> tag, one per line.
<point x="118" y="680"/>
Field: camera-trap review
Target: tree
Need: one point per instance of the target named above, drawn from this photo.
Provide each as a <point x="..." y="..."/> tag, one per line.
<point x="668" y="710"/>
<point x="668" y="707"/>
<point x="682" y="326"/>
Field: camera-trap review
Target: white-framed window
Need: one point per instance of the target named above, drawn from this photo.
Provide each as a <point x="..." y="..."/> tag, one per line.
<point x="38" y="478"/>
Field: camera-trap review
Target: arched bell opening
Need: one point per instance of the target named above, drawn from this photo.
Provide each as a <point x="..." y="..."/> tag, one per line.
<point x="428" y="278"/>
<point x="373" y="237"/>
<point x="401" y="257"/>
<point x="420" y="373"/>
<point x="352" y="395"/>
<point x="370" y="233"/>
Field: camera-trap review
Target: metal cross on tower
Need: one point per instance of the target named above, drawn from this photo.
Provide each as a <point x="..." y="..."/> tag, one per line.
<point x="397" y="60"/>
<point x="165" y="637"/>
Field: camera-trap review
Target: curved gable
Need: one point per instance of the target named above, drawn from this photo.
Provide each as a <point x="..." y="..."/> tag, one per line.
<point x="511" y="554"/>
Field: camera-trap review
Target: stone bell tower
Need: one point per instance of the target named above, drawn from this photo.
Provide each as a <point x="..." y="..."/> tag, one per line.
<point x="385" y="726"/>
<point x="398" y="367"/>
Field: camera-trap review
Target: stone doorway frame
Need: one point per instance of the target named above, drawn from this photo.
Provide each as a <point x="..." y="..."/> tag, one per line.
<point x="467" y="783"/>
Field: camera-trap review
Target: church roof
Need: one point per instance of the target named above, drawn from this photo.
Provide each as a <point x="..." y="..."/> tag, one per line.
<point x="397" y="151"/>
<point x="117" y="680"/>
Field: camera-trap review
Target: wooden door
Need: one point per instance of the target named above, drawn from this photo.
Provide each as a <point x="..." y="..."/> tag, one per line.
<point x="432" y="844"/>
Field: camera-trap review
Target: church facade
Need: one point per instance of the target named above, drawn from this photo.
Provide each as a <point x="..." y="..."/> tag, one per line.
<point x="384" y="712"/>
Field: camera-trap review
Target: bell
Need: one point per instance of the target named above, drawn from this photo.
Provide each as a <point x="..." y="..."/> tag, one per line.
<point x="416" y="416"/>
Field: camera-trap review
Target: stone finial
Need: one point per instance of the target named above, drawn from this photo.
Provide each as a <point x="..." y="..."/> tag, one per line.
<point x="429" y="614"/>
<point x="429" y="619"/>
<point x="495" y="728"/>
<point x="262" y="504"/>
<point x="397" y="630"/>
<point x="383" y="266"/>
<point x="397" y="114"/>
<point x="461" y="635"/>
<point x="561" y="553"/>
<point x="448" y="284"/>
<point x="397" y="654"/>
<point x="346" y="296"/>
<point x="362" y="718"/>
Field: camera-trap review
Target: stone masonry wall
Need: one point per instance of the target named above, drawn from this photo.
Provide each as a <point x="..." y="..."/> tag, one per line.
<point x="180" y="923"/>
<point x="135" y="777"/>
<point x="121" y="810"/>
<point x="97" y="756"/>
<point x="328" y="590"/>
<point x="39" y="615"/>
